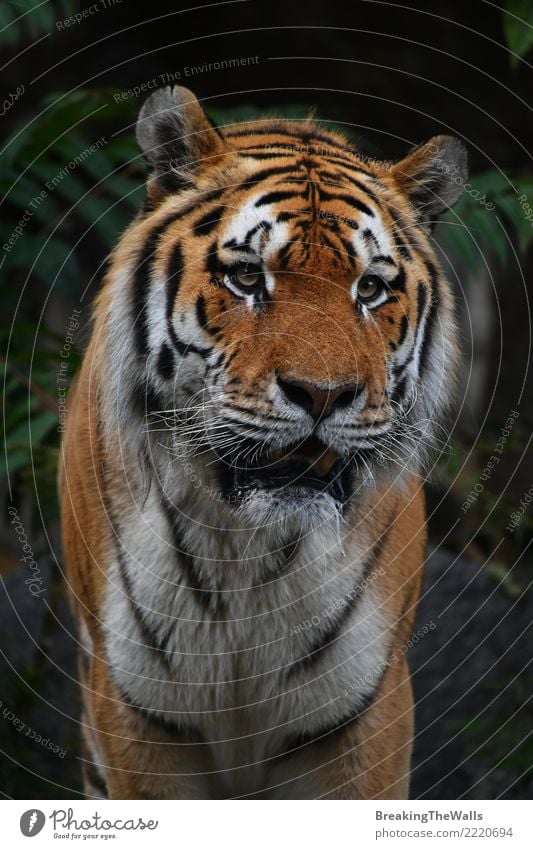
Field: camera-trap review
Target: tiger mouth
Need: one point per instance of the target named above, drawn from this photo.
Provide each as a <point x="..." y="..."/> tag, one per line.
<point x="306" y="465"/>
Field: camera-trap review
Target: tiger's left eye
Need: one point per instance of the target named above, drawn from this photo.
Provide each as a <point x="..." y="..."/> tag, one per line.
<point x="247" y="275"/>
<point x="369" y="287"/>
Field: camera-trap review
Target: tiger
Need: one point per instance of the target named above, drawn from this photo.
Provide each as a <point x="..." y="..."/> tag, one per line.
<point x="272" y="358"/>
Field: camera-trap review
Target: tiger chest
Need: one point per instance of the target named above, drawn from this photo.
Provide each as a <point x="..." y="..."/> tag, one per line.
<point x="256" y="660"/>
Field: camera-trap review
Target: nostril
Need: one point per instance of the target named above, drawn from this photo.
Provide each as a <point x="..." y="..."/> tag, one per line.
<point x="296" y="394"/>
<point x="346" y="398"/>
<point x="318" y="401"/>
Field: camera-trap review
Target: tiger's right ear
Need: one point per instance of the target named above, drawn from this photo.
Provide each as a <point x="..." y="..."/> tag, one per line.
<point x="177" y="139"/>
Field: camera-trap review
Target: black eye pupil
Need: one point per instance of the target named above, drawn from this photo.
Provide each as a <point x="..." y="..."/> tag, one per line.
<point x="247" y="275"/>
<point x="369" y="287"/>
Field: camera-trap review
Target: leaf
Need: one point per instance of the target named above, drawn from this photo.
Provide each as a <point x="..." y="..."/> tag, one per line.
<point x="9" y="34"/>
<point x="518" y="28"/>
<point x="488" y="232"/>
<point x="49" y="257"/>
<point x="460" y="241"/>
<point x="20" y="442"/>
<point x="518" y="218"/>
<point x="27" y="195"/>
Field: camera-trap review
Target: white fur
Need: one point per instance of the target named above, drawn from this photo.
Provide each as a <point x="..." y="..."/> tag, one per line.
<point x="230" y="679"/>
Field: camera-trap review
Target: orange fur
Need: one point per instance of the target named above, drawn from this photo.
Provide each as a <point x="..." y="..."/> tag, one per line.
<point x="309" y="331"/>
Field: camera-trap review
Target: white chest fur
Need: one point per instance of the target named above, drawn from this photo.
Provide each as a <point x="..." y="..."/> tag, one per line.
<point x="228" y="657"/>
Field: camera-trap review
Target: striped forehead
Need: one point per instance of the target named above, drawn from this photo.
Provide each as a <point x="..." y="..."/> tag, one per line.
<point x="259" y="229"/>
<point x="255" y="231"/>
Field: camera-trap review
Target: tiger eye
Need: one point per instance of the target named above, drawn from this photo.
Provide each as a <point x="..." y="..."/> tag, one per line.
<point x="247" y="275"/>
<point x="368" y="287"/>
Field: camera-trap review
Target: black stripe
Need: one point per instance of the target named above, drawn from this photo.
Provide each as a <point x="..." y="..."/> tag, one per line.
<point x="382" y="258"/>
<point x="207" y="223"/>
<point x="258" y="176"/>
<point x="420" y="307"/>
<point x="276" y="196"/>
<point x="212" y="262"/>
<point x="288" y="215"/>
<point x="340" y="175"/>
<point x="434" y="304"/>
<point x="350" y="200"/>
<point x="349" y="248"/>
<point x="266" y="226"/>
<point x="201" y="317"/>
<point x="350" y="165"/>
<point x="174" y="274"/>
<point x="403" y="250"/>
<point x="400" y="370"/>
<point x="231" y="358"/>
<point x="259" y="154"/>
<point x="334" y="630"/>
<point x="274" y="130"/>
<point x="149" y="636"/>
<point x="328" y="243"/>
<point x="399" y="390"/>
<point x="165" y="362"/>
<point x="325" y="733"/>
<point x="244" y="246"/>
<point x="205" y="594"/>
<point x="175" y="270"/>
<point x="284" y="254"/>
<point x="368" y="236"/>
<point x="397" y="284"/>
<point x="189" y="732"/>
<point x="404" y="327"/>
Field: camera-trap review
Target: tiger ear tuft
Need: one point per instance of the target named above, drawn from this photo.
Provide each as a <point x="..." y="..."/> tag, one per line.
<point x="176" y="138"/>
<point x="433" y="176"/>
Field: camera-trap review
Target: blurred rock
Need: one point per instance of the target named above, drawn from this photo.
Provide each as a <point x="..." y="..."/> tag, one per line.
<point x="471" y="668"/>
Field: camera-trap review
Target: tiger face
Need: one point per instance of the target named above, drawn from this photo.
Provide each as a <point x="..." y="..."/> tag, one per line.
<point x="293" y="332"/>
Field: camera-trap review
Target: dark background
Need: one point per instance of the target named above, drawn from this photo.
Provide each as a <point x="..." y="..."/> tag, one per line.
<point x="393" y="75"/>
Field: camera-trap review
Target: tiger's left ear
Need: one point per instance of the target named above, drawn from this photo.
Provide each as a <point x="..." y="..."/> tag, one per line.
<point x="433" y="176"/>
<point x="177" y="139"/>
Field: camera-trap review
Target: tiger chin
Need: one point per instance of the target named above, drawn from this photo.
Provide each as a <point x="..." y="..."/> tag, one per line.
<point x="272" y="352"/>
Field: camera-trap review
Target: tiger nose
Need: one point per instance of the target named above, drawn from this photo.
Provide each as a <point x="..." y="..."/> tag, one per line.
<point x="317" y="401"/>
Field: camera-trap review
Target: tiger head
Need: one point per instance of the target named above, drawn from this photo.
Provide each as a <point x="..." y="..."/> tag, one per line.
<point x="292" y="330"/>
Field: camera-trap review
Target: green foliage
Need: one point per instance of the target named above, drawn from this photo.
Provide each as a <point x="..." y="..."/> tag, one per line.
<point x="66" y="180"/>
<point x="518" y="28"/>
<point x="31" y="18"/>
<point x="488" y="216"/>
<point x="62" y="177"/>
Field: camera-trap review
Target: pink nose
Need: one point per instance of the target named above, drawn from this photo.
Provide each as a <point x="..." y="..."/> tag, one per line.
<point x="318" y="402"/>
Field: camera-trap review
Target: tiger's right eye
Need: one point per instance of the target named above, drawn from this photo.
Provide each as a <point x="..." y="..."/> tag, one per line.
<point x="247" y="275"/>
